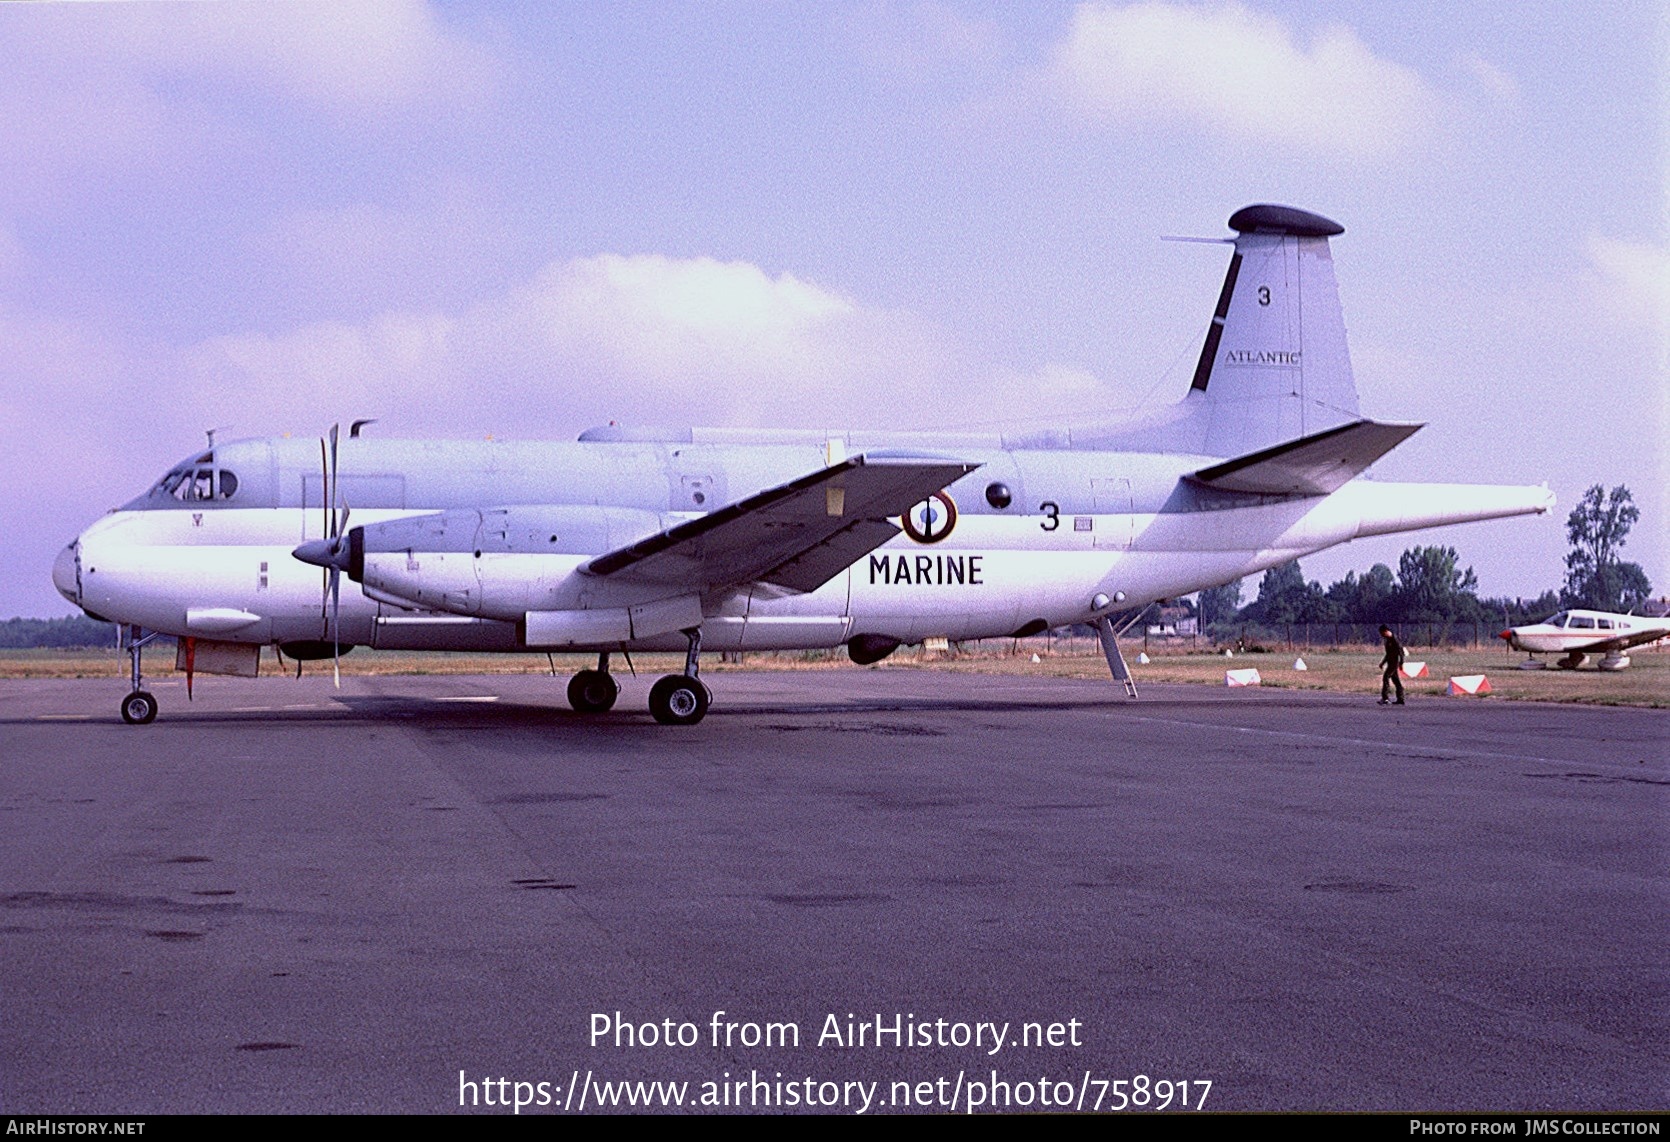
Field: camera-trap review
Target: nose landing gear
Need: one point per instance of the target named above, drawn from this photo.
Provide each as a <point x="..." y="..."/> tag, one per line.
<point x="139" y="708"/>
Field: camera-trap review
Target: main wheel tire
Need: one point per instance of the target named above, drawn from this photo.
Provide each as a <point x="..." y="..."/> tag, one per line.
<point x="678" y="700"/>
<point x="592" y="691"/>
<point x="139" y="708"/>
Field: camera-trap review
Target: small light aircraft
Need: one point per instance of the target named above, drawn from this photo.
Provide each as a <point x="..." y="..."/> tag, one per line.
<point x="738" y="539"/>
<point x="1578" y="634"/>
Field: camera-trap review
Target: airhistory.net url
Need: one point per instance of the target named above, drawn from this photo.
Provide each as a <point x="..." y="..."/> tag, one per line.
<point x="961" y="1094"/>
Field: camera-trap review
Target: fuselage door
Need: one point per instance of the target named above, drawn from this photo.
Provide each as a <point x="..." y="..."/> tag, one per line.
<point x="1115" y="513"/>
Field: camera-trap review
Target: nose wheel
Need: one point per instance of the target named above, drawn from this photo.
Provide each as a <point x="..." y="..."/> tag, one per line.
<point x="139" y="708"/>
<point x="682" y="699"/>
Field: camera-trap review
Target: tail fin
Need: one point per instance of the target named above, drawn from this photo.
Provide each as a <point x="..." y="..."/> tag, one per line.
<point x="1275" y="365"/>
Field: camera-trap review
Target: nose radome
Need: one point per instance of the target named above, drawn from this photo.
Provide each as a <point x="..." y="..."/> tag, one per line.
<point x="63" y="574"/>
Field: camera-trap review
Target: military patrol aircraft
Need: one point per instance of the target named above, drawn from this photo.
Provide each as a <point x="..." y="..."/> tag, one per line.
<point x="1579" y="633"/>
<point x="736" y="539"/>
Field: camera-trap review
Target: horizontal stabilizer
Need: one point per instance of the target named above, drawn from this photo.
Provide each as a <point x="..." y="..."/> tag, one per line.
<point x="797" y="535"/>
<point x="1310" y="466"/>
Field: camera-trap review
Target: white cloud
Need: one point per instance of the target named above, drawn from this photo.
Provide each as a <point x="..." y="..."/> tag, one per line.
<point x="369" y="55"/>
<point x="1235" y="73"/>
<point x="1499" y="84"/>
<point x="661" y="317"/>
<point x="94" y="87"/>
<point x="353" y="55"/>
<point x="335" y="368"/>
<point x="644" y="338"/>
<point x="1632" y="280"/>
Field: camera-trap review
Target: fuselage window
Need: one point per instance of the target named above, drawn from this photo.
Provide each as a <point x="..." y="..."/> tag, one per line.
<point x="1582" y="622"/>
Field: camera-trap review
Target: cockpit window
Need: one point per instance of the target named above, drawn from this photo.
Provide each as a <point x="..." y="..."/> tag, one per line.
<point x="197" y="485"/>
<point x="1558" y="620"/>
<point x="1582" y="622"/>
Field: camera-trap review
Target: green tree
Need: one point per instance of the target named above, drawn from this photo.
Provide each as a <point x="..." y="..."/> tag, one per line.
<point x="1518" y="612"/>
<point x="1430" y="587"/>
<point x="1219" y="604"/>
<point x="1595" y="576"/>
<point x="1365" y="600"/>
<point x="1285" y="597"/>
<point x="76" y="630"/>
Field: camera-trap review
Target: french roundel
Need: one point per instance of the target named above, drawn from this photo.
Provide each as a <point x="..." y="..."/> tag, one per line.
<point x="931" y="520"/>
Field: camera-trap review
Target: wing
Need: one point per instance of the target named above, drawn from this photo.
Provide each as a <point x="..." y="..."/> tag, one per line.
<point x="1633" y="638"/>
<point x="797" y="535"/>
<point x="1310" y="466"/>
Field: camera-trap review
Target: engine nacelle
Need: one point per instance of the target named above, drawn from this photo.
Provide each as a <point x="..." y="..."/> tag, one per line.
<point x="498" y="563"/>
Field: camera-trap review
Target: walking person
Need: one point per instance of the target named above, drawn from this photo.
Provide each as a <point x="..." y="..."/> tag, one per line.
<point x="1393" y="662"/>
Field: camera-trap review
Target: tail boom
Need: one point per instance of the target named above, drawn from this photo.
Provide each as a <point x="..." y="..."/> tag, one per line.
<point x="1387" y="509"/>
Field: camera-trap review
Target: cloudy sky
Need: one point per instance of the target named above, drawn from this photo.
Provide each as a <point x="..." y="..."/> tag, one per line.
<point x="521" y="219"/>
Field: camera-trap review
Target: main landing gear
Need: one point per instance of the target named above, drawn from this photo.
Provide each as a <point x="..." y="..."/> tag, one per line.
<point x="676" y="700"/>
<point x="594" y="691"/>
<point x="682" y="699"/>
<point x="138" y="708"/>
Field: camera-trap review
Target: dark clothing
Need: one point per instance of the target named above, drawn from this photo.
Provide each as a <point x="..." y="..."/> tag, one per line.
<point x="1393" y="662"/>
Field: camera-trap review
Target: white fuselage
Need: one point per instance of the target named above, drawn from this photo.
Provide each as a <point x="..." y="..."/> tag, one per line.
<point x="1580" y="631"/>
<point x="1071" y="532"/>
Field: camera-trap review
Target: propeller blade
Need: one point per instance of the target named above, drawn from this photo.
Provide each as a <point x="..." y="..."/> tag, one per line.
<point x="336" y="613"/>
<point x="324" y="490"/>
<point x="335" y="432"/>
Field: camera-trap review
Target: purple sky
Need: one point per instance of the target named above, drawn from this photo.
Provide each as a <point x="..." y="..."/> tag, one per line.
<point x="522" y="219"/>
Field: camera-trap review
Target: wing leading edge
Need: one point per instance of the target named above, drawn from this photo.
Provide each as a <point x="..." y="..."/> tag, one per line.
<point x="797" y="535"/>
